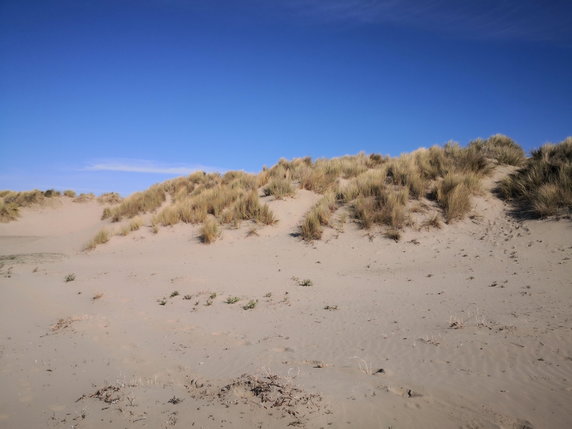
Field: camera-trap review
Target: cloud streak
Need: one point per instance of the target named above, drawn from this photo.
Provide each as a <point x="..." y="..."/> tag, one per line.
<point x="487" y="19"/>
<point x="150" y="167"/>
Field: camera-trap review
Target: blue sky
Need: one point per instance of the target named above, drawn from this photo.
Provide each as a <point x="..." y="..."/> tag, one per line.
<point x="114" y="95"/>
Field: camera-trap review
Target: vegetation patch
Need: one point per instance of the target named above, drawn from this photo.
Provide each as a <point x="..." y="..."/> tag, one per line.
<point x="100" y="238"/>
<point x="543" y="185"/>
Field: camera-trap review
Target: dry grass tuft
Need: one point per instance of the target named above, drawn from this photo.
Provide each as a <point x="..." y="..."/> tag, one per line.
<point x="109" y="198"/>
<point x="100" y="238"/>
<point x="318" y="216"/>
<point x="279" y="187"/>
<point x="231" y="199"/>
<point x="83" y="198"/>
<point x="210" y="230"/>
<point x="133" y="225"/>
<point x="543" y="185"/>
<point x="393" y="234"/>
<point x="69" y="193"/>
<point x="138" y="203"/>
<point x="500" y="148"/>
<point x="432" y="222"/>
<point x="11" y="202"/>
<point x="8" y="211"/>
<point x="454" y="194"/>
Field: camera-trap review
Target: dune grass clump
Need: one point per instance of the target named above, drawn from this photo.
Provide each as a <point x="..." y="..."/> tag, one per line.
<point x="84" y="197"/>
<point x="543" y="185"/>
<point x="385" y="208"/>
<point x="500" y="148"/>
<point x="11" y="202"/>
<point x="109" y="198"/>
<point x="69" y="193"/>
<point x="230" y="199"/>
<point x="279" y="187"/>
<point x="100" y="238"/>
<point x="8" y="211"/>
<point x="137" y="203"/>
<point x="454" y="194"/>
<point x="318" y="216"/>
<point x="210" y="230"/>
<point x="133" y="225"/>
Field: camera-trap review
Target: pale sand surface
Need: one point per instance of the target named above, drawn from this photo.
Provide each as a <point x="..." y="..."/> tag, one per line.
<point x="386" y="357"/>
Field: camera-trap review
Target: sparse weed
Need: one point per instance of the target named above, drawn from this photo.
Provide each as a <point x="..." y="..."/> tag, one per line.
<point x="70" y="277"/>
<point x="250" y="305"/>
<point x="232" y="300"/>
<point x="393" y="234"/>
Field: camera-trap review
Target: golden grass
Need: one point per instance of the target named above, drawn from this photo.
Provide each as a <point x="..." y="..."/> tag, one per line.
<point x="543" y="185"/>
<point x="11" y="202"/>
<point x="133" y="225"/>
<point x="454" y="194"/>
<point x="279" y="187"/>
<point x="210" y="230"/>
<point x="82" y="198"/>
<point x="318" y="216"/>
<point x="8" y="211"/>
<point x="138" y="203"/>
<point x="378" y="188"/>
<point x="69" y="193"/>
<point x="500" y="148"/>
<point x="109" y="198"/>
<point x="100" y="238"/>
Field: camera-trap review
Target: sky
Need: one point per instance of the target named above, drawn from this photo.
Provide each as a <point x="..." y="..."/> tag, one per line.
<point x="115" y="95"/>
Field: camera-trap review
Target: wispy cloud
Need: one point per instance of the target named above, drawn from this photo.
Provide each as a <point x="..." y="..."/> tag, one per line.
<point x="486" y="19"/>
<point x="145" y="166"/>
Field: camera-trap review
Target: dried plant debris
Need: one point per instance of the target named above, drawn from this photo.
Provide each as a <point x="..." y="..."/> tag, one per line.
<point x="109" y="394"/>
<point x="266" y="391"/>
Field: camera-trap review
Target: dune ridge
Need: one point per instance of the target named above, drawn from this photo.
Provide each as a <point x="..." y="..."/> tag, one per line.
<point x="434" y="321"/>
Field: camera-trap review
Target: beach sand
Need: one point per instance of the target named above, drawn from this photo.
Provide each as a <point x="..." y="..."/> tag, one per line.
<point x="467" y="326"/>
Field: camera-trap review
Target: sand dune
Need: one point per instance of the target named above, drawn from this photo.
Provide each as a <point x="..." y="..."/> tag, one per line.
<point x="466" y="326"/>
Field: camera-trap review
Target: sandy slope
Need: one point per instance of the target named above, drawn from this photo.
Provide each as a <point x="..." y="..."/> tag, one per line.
<point x="386" y="357"/>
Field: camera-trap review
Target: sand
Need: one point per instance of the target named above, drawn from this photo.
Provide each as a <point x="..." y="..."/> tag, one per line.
<point x="468" y="326"/>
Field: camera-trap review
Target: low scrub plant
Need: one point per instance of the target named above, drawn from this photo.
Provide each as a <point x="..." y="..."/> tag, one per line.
<point x="250" y="305"/>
